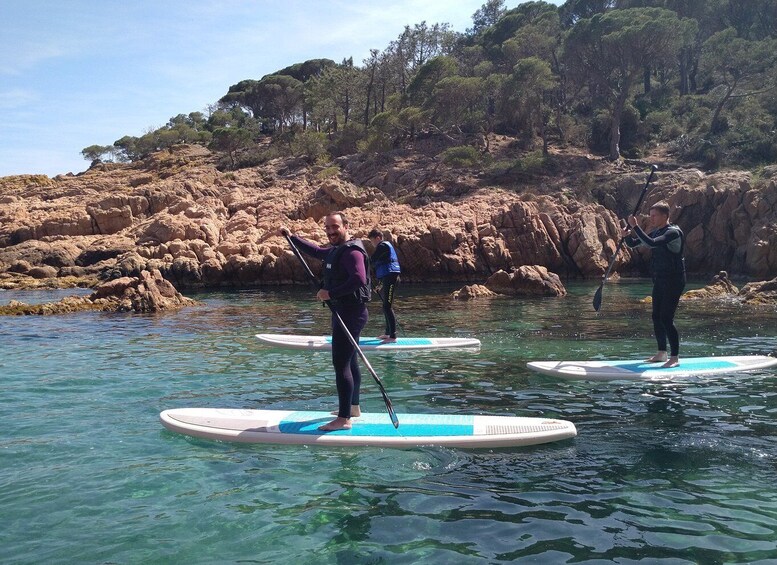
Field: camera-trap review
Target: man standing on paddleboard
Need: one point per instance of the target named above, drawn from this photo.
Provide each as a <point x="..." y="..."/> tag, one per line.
<point x="346" y="286"/>
<point x="386" y="264"/>
<point x="668" y="269"/>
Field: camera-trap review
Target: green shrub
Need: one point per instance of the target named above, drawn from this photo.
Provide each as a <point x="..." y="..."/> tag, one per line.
<point x="528" y="165"/>
<point x="661" y="125"/>
<point x="328" y="172"/>
<point x="376" y="142"/>
<point x="346" y="141"/>
<point x="310" y="143"/>
<point x="534" y="163"/>
<point x="500" y="167"/>
<point x="462" y="156"/>
<point x="691" y="112"/>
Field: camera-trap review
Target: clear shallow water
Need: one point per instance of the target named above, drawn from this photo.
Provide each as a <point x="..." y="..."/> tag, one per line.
<point x="679" y="472"/>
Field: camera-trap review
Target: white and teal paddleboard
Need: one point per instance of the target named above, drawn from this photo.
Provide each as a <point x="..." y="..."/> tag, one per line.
<point x="371" y="429"/>
<point x="369" y="343"/>
<point x="639" y="370"/>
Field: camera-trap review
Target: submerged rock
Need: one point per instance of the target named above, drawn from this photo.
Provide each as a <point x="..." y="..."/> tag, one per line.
<point x="719" y="287"/>
<point x="67" y="305"/>
<point x="764" y="292"/>
<point x="17" y="281"/>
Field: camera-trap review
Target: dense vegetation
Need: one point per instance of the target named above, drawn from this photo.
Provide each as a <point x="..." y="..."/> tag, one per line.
<point x="618" y="77"/>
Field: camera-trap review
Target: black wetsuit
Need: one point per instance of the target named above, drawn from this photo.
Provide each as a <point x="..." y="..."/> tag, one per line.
<point x="387" y="270"/>
<point x="667" y="266"/>
<point x="346" y="277"/>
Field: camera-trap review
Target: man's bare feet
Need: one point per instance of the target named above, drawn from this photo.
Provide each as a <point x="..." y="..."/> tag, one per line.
<point x="355" y="411"/>
<point x="671" y="362"/>
<point x="384" y="336"/>
<point x="336" y="424"/>
<point x="388" y="339"/>
<point x="659" y="357"/>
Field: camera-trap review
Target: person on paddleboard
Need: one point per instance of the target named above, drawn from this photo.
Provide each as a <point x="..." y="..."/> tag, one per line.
<point x="346" y="286"/>
<point x="667" y="266"/>
<point x="386" y="264"/>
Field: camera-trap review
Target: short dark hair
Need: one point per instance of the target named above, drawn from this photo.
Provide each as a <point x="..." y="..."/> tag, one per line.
<point x="662" y="207"/>
<point x="375" y="233"/>
<point x="338" y="213"/>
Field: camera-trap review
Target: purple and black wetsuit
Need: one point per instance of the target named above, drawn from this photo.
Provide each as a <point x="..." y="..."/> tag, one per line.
<point x="346" y="269"/>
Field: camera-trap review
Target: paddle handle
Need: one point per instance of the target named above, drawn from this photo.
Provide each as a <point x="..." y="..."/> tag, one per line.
<point x="296" y="252"/>
<point x="597" y="301"/>
<point x="653" y="169"/>
<point x="354" y="343"/>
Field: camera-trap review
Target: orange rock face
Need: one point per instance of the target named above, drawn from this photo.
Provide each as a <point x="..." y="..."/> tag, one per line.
<point x="200" y="227"/>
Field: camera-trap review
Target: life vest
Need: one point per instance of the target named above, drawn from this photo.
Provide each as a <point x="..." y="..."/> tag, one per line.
<point x="391" y="266"/>
<point x="335" y="275"/>
<point x="668" y="260"/>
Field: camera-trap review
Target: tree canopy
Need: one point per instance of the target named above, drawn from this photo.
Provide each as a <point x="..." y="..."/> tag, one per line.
<point x="613" y="76"/>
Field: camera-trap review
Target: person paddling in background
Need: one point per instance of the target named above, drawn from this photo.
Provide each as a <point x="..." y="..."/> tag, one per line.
<point x="667" y="266"/>
<point x="347" y="287"/>
<point x="386" y="264"/>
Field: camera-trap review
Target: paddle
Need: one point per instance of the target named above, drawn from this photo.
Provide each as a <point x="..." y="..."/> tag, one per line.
<point x="314" y="280"/>
<point x="598" y="294"/>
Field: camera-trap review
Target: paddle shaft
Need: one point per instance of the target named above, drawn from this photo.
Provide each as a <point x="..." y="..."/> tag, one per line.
<point x="653" y="170"/>
<point x="598" y="294"/>
<point x="354" y="343"/>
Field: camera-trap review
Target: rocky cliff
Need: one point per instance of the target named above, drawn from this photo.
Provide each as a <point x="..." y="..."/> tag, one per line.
<point x="201" y="227"/>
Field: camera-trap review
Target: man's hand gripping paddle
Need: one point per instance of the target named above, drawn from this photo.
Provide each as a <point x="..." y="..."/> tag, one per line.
<point x="598" y="295"/>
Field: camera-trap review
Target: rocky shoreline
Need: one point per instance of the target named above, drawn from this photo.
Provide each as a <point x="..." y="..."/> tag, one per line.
<point x="148" y="292"/>
<point x="176" y="213"/>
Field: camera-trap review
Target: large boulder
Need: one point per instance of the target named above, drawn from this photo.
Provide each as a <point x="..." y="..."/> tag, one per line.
<point x="148" y="292"/>
<point x="527" y="280"/>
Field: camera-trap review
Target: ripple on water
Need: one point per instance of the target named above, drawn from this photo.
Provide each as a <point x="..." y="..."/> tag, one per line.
<point x="670" y="472"/>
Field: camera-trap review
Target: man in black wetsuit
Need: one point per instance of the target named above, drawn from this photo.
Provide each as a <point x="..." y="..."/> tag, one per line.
<point x="386" y="264"/>
<point x="347" y="287"/>
<point x="668" y="269"/>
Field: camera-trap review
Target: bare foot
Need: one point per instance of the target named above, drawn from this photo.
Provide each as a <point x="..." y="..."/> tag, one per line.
<point x="336" y="424"/>
<point x="383" y="337"/>
<point x="388" y="339"/>
<point x="659" y="357"/>
<point x="355" y="411"/>
<point x="671" y="362"/>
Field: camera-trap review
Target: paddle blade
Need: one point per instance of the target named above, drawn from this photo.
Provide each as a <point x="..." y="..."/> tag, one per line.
<point x="598" y="297"/>
<point x="387" y="400"/>
<point x="392" y="415"/>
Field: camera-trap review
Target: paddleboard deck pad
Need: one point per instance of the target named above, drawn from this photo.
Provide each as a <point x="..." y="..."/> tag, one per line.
<point x="370" y="429"/>
<point x="369" y="343"/>
<point x="637" y="370"/>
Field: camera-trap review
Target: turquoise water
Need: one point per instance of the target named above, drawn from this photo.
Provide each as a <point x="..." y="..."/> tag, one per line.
<point x="677" y="472"/>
